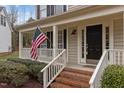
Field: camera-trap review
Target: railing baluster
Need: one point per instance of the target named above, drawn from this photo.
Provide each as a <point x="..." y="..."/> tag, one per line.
<point x="49" y="74"/>
<point x="44" y="79"/>
<point x="54" y="67"/>
<point x="115" y="57"/>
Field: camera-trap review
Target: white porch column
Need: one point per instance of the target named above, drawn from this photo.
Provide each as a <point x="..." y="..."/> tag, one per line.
<point x="55" y="40"/>
<point x="20" y="43"/>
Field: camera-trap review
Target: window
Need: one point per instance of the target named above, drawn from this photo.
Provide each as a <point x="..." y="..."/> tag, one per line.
<point x="50" y="39"/>
<point x="48" y="10"/>
<point x="52" y="10"/>
<point x="59" y="9"/>
<point x="43" y="11"/>
<point x="64" y="8"/>
<point x="107" y="37"/>
<point x="27" y="38"/>
<point x="44" y="44"/>
<point x="56" y="9"/>
<point x="49" y="42"/>
<point x="3" y="20"/>
<point x="62" y="40"/>
<point x="82" y="43"/>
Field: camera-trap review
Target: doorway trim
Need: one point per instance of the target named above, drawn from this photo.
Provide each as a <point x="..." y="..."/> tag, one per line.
<point x="83" y="27"/>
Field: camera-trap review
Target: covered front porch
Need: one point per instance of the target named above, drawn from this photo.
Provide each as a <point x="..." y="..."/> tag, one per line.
<point x="84" y="40"/>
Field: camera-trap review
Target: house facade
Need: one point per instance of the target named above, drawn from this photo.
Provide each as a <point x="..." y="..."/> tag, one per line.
<point x="5" y="32"/>
<point x="43" y="11"/>
<point x="85" y="32"/>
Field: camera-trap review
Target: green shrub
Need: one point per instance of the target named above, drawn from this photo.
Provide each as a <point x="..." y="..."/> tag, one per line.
<point x="27" y="62"/>
<point x="19" y="80"/>
<point x="34" y="67"/>
<point x="113" y="77"/>
<point x="14" y="73"/>
<point x="40" y="77"/>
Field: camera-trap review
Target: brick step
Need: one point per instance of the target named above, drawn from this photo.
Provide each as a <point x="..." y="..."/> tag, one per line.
<point x="72" y="78"/>
<point x="59" y="85"/>
<point x="86" y="72"/>
<point x="75" y="76"/>
<point x="70" y="82"/>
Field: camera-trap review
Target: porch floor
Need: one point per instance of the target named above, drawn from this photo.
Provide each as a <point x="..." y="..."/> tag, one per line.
<point x="81" y="67"/>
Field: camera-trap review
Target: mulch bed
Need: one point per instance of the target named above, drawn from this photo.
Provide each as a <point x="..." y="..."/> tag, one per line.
<point x="29" y="84"/>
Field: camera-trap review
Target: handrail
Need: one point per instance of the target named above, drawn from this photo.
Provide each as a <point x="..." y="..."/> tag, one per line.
<point x="53" y="69"/>
<point x="97" y="68"/>
<point x="109" y="57"/>
<point x="53" y="60"/>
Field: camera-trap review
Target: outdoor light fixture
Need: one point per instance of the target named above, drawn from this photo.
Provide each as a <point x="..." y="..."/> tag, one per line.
<point x="74" y="32"/>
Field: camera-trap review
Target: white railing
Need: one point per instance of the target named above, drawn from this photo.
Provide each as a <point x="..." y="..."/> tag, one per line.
<point x="52" y="70"/>
<point x="111" y="56"/>
<point x="44" y="55"/>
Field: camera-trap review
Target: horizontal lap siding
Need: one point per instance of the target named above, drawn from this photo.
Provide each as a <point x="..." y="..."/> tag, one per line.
<point x="72" y="48"/>
<point x="118" y="33"/>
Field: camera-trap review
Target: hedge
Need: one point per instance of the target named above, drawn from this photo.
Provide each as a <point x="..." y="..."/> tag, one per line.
<point x="34" y="67"/>
<point x="113" y="77"/>
<point x="13" y="73"/>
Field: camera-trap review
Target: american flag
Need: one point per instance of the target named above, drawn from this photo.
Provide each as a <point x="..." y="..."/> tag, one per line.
<point x="38" y="38"/>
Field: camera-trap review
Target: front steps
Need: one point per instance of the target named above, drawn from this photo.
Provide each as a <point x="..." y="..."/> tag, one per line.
<point x="72" y="78"/>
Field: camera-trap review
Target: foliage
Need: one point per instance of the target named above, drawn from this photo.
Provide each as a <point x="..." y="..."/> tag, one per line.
<point x="26" y="62"/>
<point x="34" y="70"/>
<point x="40" y="77"/>
<point x="113" y="77"/>
<point x="13" y="18"/>
<point x="13" y="73"/>
<point x="34" y="67"/>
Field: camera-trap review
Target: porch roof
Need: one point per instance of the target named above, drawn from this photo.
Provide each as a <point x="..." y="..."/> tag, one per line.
<point x="68" y="16"/>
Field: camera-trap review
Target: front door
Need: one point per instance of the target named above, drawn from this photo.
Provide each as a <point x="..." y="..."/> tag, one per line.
<point x="94" y="42"/>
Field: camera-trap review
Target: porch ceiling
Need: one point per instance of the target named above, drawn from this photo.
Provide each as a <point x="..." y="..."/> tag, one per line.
<point x="72" y="16"/>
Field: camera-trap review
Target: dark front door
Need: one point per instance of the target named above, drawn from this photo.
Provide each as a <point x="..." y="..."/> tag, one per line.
<point x="94" y="42"/>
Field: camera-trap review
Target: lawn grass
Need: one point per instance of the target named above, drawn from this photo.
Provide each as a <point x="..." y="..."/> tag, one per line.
<point x="10" y="55"/>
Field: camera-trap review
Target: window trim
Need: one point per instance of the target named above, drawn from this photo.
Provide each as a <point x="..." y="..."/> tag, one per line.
<point x="3" y="20"/>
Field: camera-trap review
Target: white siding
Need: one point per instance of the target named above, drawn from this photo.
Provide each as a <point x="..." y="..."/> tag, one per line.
<point x="72" y="47"/>
<point x="5" y="37"/>
<point x="118" y="33"/>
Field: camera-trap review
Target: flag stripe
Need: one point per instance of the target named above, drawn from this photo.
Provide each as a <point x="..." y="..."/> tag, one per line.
<point x="33" y="51"/>
<point x="38" y="39"/>
<point x="36" y="44"/>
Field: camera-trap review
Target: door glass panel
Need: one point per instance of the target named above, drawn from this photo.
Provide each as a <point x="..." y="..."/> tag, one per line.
<point x="60" y="43"/>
